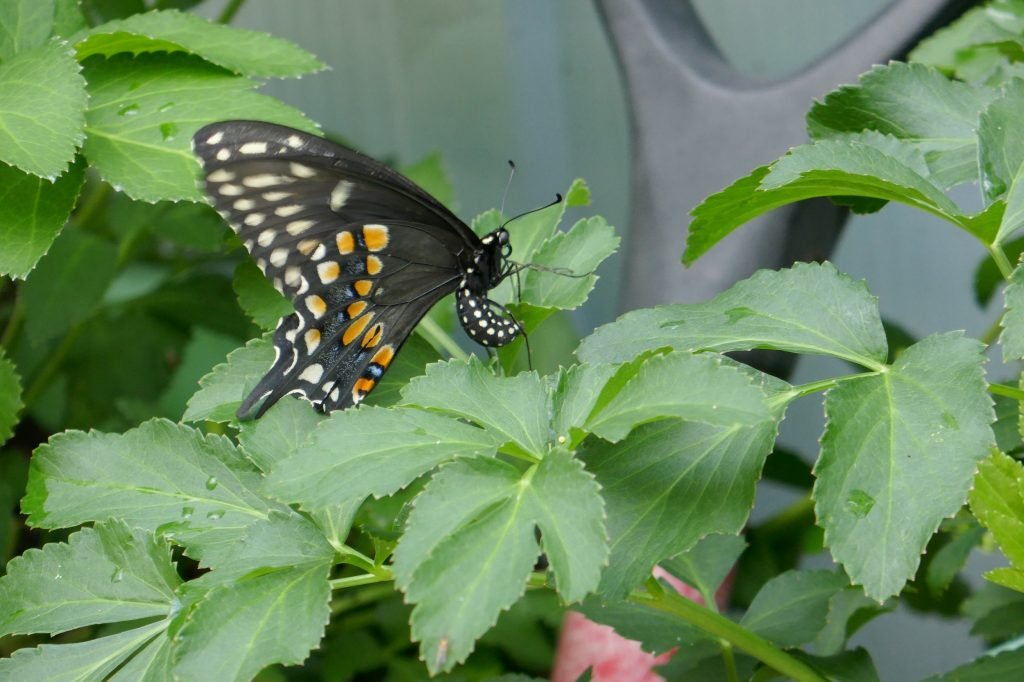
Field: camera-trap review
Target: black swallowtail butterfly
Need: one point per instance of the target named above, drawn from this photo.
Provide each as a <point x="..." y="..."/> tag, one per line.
<point x="362" y="251"/>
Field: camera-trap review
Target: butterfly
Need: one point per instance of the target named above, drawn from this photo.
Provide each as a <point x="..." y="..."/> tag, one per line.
<point x="362" y="252"/>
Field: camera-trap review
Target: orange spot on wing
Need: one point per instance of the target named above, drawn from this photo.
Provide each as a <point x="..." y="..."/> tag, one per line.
<point x="384" y="356"/>
<point x="355" y="309"/>
<point x="373" y="336"/>
<point x="356" y="328"/>
<point x="345" y="243"/>
<point x="362" y="387"/>
<point x="362" y="286"/>
<point x="373" y="265"/>
<point x="375" y="237"/>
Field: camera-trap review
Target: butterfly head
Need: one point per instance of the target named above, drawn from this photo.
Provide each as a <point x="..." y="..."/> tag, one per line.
<point x="488" y="262"/>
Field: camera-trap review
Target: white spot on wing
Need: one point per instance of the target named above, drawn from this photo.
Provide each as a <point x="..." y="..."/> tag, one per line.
<point x="340" y="194"/>
<point x="266" y="237"/>
<point x="254" y="219"/>
<point x="320" y="252"/>
<point x="294" y="141"/>
<point x="230" y="190"/>
<point x="215" y="138"/>
<point x="244" y="204"/>
<point x="265" y="180"/>
<point x="223" y="154"/>
<point x="276" y="196"/>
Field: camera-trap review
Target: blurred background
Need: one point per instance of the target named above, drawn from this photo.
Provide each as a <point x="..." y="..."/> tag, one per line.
<point x="537" y="81"/>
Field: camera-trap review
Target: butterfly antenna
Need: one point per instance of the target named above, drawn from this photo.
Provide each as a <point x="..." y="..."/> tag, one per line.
<point x="558" y="200"/>
<point x="522" y="329"/>
<point x="504" y="195"/>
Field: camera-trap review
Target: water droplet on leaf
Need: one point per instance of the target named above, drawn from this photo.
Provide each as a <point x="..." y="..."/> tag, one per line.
<point x="860" y="503"/>
<point x="168" y="131"/>
<point x="187" y="512"/>
<point x="211" y="483"/>
<point x="214" y="515"/>
<point x="165" y="107"/>
<point x="737" y="314"/>
<point x="128" y="110"/>
<point x="118" y="575"/>
<point x="949" y="420"/>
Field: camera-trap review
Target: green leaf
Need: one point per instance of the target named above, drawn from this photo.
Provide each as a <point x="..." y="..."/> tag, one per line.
<point x="258" y="297"/>
<point x="915" y="103"/>
<point x="248" y="53"/>
<point x="371" y="451"/>
<point x="846" y="666"/>
<point x="24" y="24"/>
<point x="950" y="559"/>
<point x="143" y="111"/>
<point x="698" y="388"/>
<point x="152" y="663"/>
<point x="533" y="229"/>
<point x="1001" y="152"/>
<point x="469" y="546"/>
<point x="278" y="434"/>
<point x="848" y="610"/>
<point x="791" y="608"/>
<point x="579" y="251"/>
<point x="516" y="409"/>
<point x="991" y="668"/>
<point x="839" y="167"/>
<point x="575" y="392"/>
<point x="10" y="398"/>
<point x="811" y="309"/>
<point x="430" y="174"/>
<point x="204" y="350"/>
<point x="92" y="660"/>
<point x="222" y="390"/>
<point x="669" y="484"/>
<point x="997" y="501"/>
<point x="68" y="284"/>
<point x="106" y="574"/>
<point x="32" y="212"/>
<point x="155" y="474"/>
<point x="42" y="103"/>
<point x="285" y="539"/>
<point x="707" y="563"/>
<point x="240" y="627"/>
<point x="655" y="630"/>
<point x="897" y="457"/>
<point x="987" y="278"/>
<point x="415" y="356"/>
<point x="67" y="18"/>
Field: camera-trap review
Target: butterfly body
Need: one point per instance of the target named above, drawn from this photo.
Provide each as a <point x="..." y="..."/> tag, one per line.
<point x="362" y="252"/>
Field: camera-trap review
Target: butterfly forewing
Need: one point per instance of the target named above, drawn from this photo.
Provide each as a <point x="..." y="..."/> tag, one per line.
<point x="362" y="252"/>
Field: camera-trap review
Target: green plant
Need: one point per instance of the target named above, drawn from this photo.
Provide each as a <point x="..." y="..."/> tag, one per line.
<point x="219" y="549"/>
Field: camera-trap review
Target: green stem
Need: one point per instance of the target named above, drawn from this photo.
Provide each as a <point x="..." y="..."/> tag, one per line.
<point x="229" y="12"/>
<point x="92" y="204"/>
<point x="13" y="326"/>
<point x="361" y="598"/>
<point x="1002" y="262"/>
<point x="729" y="659"/>
<point x="1007" y="391"/>
<point x="357" y="580"/>
<point x="440" y="339"/>
<point x="991" y="334"/>
<point x="824" y="384"/>
<point x="723" y="628"/>
<point x="53" y="364"/>
<point x="356" y="558"/>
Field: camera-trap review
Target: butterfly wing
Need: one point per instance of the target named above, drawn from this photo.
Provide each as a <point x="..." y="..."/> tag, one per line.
<point x="362" y="252"/>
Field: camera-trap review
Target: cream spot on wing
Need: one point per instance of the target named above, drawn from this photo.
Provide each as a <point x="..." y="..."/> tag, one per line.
<point x="215" y="138"/>
<point x="301" y="171"/>
<point x="320" y="252"/>
<point x="223" y="154"/>
<point x="340" y="194"/>
<point x="328" y="271"/>
<point x="278" y="257"/>
<point x="292" y="275"/>
<point x="312" y="373"/>
<point x="230" y="190"/>
<point x="253" y="148"/>
<point x="265" y="180"/>
<point x="286" y="211"/>
<point x="297" y="227"/>
<point x="312" y="340"/>
<point x="294" y="141"/>
<point x="221" y="175"/>
<point x="276" y="196"/>
<point x="244" y="204"/>
<point x="254" y="219"/>
<point x="266" y="237"/>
